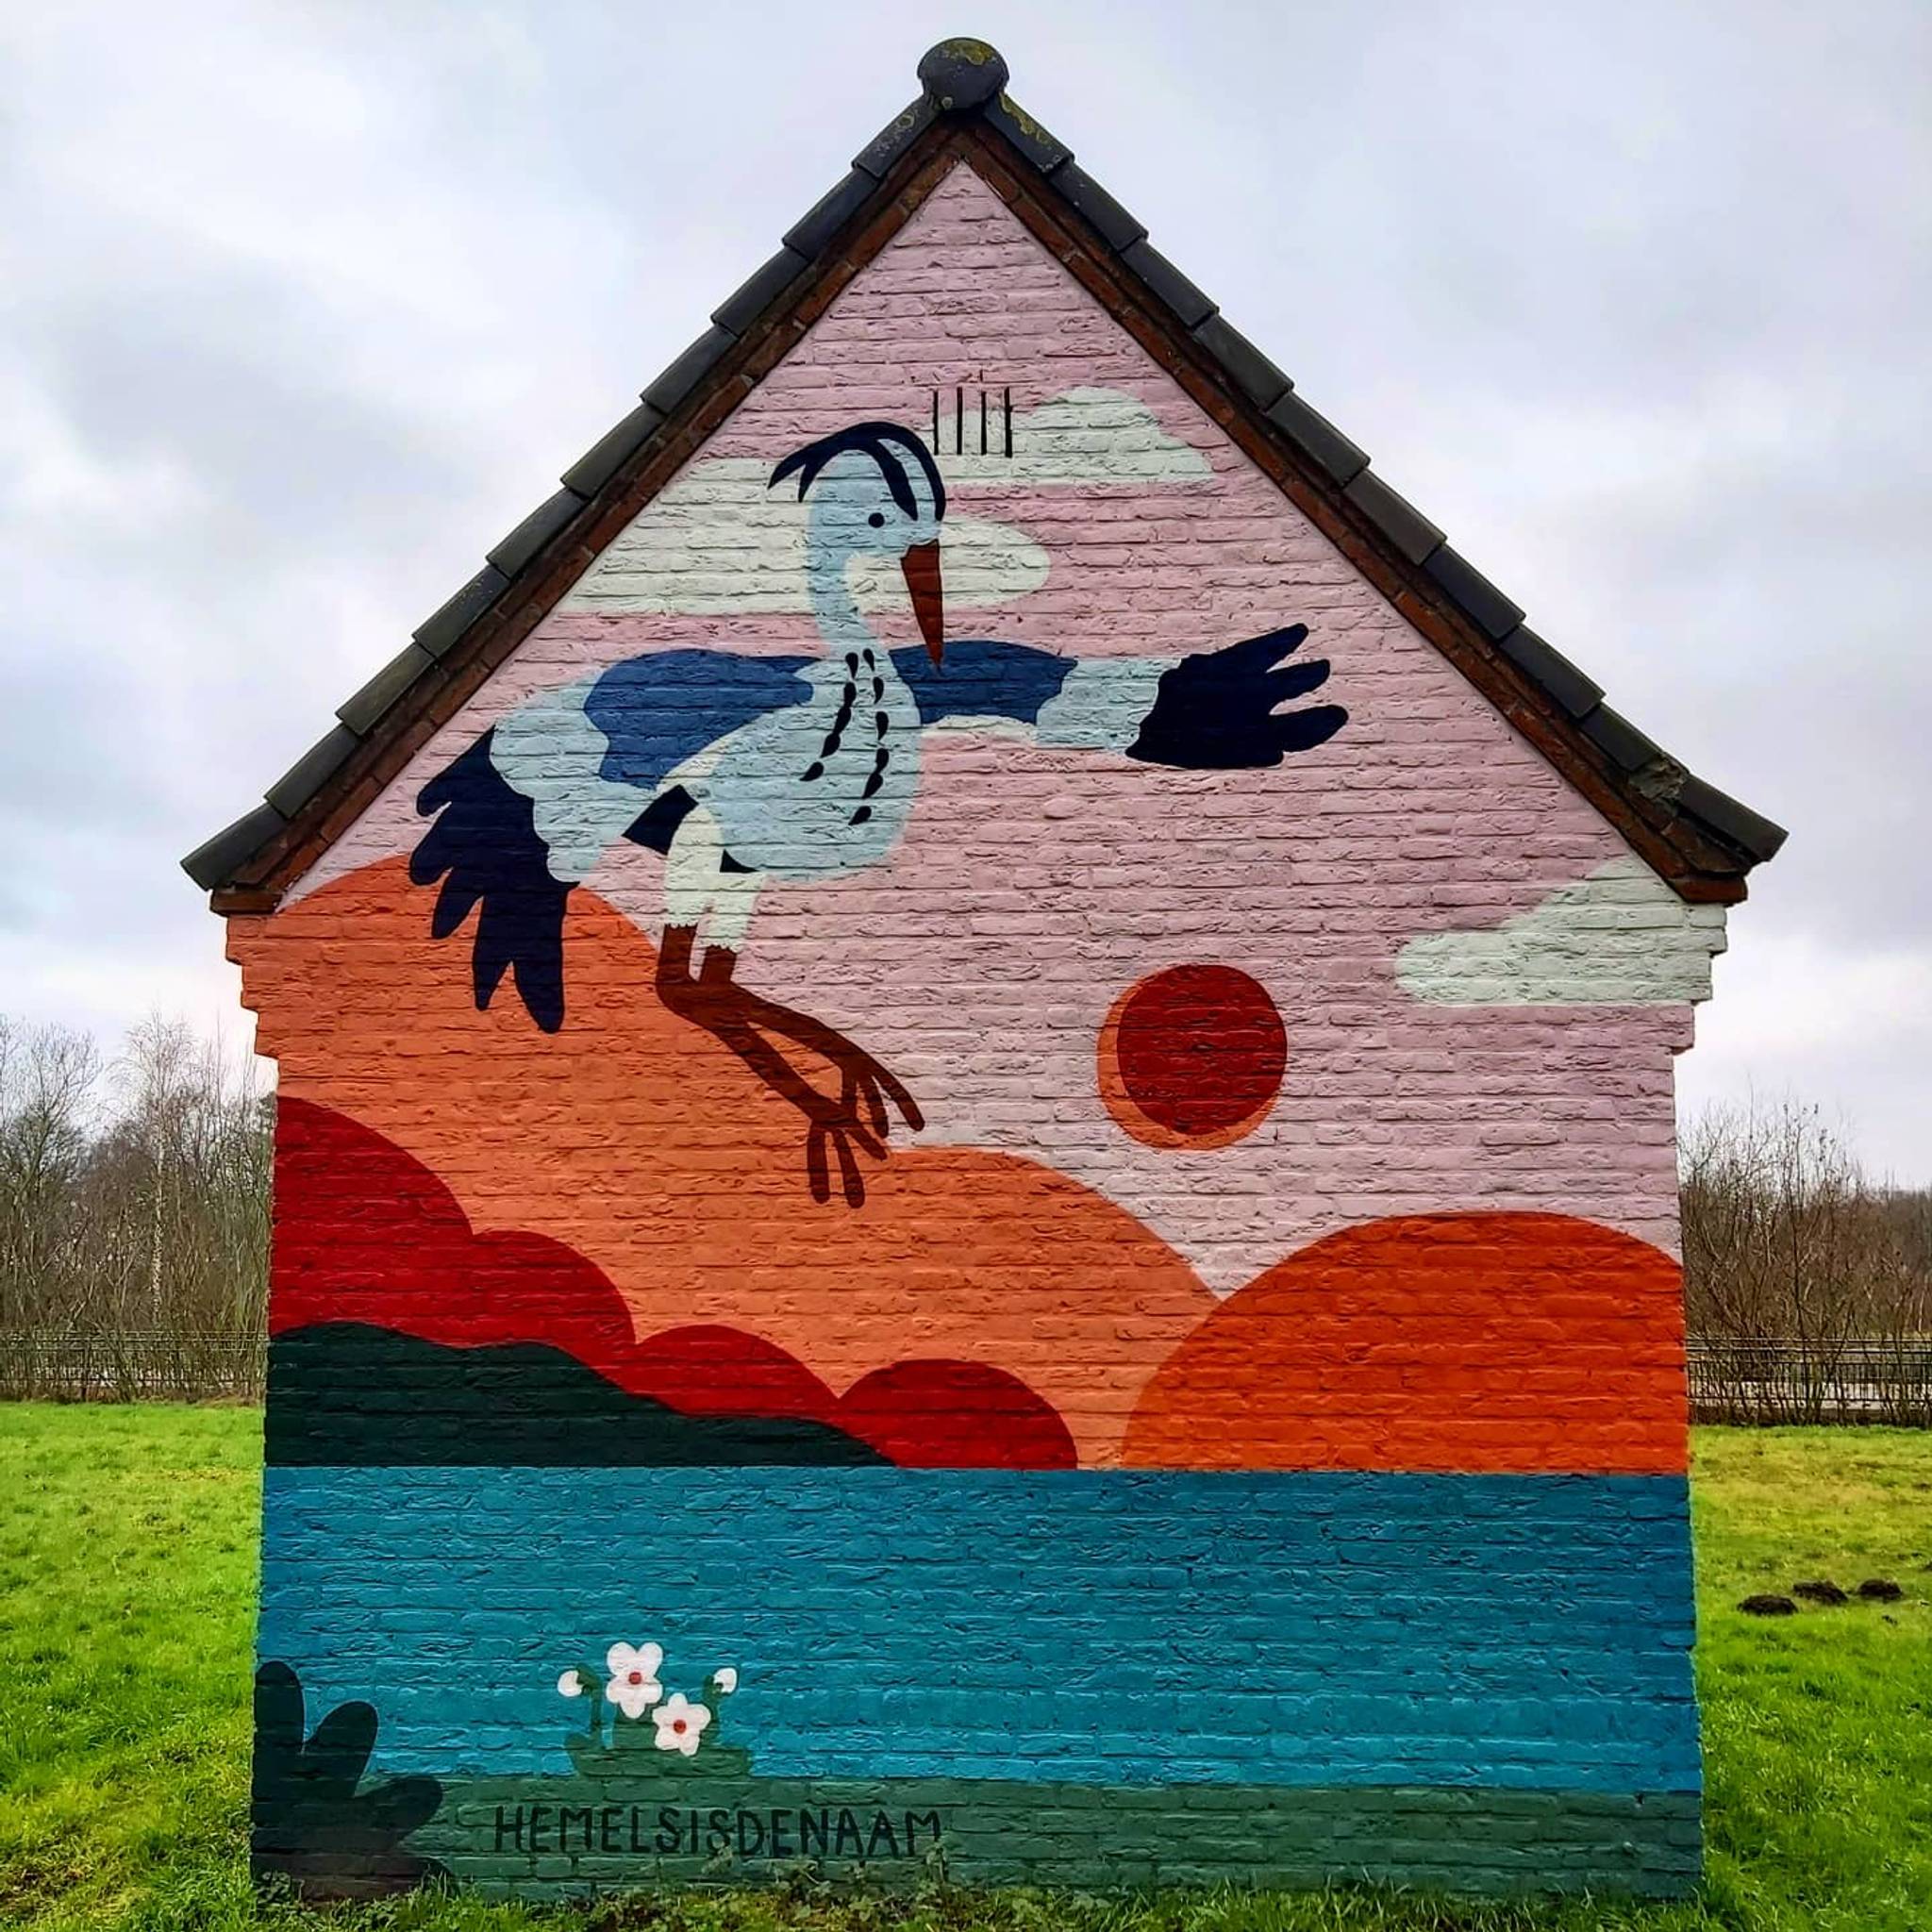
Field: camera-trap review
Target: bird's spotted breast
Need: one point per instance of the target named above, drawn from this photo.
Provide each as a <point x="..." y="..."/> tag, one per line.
<point x="822" y="788"/>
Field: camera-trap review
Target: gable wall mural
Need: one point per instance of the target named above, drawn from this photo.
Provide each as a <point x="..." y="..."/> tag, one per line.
<point x="976" y="1177"/>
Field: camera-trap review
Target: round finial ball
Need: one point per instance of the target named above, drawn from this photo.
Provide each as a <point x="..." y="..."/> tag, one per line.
<point x="962" y="73"/>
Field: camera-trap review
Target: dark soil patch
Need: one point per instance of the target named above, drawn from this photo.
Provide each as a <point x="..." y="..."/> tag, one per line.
<point x="1821" y="1591"/>
<point x="1880" y="1590"/>
<point x="1769" y="1606"/>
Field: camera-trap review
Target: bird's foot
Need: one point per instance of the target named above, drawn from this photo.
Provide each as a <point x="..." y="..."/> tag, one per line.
<point x="855" y="1122"/>
<point x="858" y="1119"/>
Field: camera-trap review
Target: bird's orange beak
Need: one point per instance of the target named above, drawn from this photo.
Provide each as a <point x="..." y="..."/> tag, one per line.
<point x="921" y="564"/>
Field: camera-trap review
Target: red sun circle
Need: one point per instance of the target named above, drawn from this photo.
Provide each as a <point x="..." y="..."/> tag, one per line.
<point x="1193" y="1056"/>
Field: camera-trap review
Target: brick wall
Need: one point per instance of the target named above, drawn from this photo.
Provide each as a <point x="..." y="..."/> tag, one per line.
<point x="1105" y="1260"/>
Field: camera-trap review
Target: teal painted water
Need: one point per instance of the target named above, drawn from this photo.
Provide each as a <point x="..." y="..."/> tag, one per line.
<point x="1111" y="1628"/>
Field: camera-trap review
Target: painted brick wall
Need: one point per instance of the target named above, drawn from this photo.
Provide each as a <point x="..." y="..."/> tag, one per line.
<point x="1067" y="1251"/>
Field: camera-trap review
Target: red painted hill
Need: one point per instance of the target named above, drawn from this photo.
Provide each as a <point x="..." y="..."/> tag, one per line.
<point x="366" y="1234"/>
<point x="1478" y="1342"/>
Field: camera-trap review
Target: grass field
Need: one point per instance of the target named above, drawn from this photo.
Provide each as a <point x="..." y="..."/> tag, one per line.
<point x="127" y="1571"/>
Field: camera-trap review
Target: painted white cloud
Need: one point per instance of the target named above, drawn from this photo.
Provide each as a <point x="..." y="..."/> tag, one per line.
<point x="718" y="542"/>
<point x="1620" y="938"/>
<point x="1082" y="435"/>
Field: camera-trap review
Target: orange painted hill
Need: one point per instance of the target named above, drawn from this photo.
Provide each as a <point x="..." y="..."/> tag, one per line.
<point x="1474" y="1343"/>
<point x="644" y="1146"/>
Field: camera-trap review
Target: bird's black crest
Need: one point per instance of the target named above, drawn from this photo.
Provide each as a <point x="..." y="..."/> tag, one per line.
<point x="876" y="439"/>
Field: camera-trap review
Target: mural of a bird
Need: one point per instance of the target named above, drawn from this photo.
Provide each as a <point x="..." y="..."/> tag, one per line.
<point x="739" y="769"/>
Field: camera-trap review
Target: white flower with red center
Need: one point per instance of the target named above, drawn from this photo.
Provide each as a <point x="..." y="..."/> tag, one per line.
<point x="681" y="1724"/>
<point x="633" y="1685"/>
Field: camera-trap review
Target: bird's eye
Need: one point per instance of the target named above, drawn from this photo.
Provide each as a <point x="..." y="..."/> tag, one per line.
<point x="876" y="518"/>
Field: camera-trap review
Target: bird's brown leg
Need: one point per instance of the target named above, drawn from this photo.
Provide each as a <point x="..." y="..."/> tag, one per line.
<point x="713" y="1000"/>
<point x="862" y="1077"/>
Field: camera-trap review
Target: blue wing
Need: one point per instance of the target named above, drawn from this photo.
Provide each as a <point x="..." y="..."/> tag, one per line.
<point x="981" y="678"/>
<point x="485" y="848"/>
<point x="659" y="709"/>
<point x="655" y="711"/>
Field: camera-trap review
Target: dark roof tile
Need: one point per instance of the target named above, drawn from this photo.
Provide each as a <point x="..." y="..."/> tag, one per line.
<point x="311" y="771"/>
<point x="1755" y="834"/>
<point x="1114" y="224"/>
<point x="611" y="450"/>
<point x="1165" y="280"/>
<point x="877" y="155"/>
<point x="544" y="522"/>
<point x="690" y="369"/>
<point x="1045" y="151"/>
<point x="216" y="860"/>
<point x="1628" y="748"/>
<point x="815" y="228"/>
<point x="1318" y="438"/>
<point x="437" y="633"/>
<point x="1472" y="593"/>
<point x="1412" y="534"/>
<point x="1543" y="665"/>
<point x="402" y="671"/>
<point x="759" y="290"/>
<point x="1254" y="374"/>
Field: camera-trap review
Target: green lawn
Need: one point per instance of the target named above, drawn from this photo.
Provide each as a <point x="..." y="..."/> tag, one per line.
<point x="127" y="1570"/>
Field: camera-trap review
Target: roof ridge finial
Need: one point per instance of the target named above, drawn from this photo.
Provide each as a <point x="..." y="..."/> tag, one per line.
<point x="962" y="73"/>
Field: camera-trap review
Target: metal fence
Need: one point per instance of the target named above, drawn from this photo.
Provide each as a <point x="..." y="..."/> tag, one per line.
<point x="1787" y="1380"/>
<point x="151" y="1366"/>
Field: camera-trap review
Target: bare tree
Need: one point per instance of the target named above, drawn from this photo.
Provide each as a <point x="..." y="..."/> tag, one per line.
<point x="1806" y="1285"/>
<point x="133" y="1214"/>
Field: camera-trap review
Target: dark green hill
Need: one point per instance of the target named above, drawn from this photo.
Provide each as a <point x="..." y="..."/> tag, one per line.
<point x="347" y="1394"/>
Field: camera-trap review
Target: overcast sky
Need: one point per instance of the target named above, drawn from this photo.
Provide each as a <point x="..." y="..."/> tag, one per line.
<point x="302" y="306"/>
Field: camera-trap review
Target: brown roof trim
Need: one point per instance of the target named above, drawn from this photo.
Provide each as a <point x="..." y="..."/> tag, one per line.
<point x="1703" y="842"/>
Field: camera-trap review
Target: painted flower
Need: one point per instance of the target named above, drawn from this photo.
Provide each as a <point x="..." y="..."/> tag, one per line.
<point x="570" y="1685"/>
<point x="681" y="1724"/>
<point x="726" y="1680"/>
<point x="634" y="1686"/>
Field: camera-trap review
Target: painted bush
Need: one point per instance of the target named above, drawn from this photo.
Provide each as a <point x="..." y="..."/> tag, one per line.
<point x="976" y="1175"/>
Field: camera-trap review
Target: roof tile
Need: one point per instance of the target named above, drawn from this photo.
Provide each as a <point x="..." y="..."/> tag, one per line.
<point x="1318" y="438"/>
<point x="1755" y="834"/>
<point x="877" y="155"/>
<point x="690" y="369"/>
<point x="216" y="860"/>
<point x="1115" y="225"/>
<point x="1628" y="749"/>
<point x="437" y="633"/>
<point x="311" y="771"/>
<point x="1472" y="593"/>
<point x="402" y="671"/>
<point x="1166" y="281"/>
<point x="1253" y="373"/>
<point x="1547" y="667"/>
<point x="759" y="290"/>
<point x="611" y="451"/>
<point x="1044" y="150"/>
<point x="815" y="228"/>
<point x="1412" y="534"/>
<point x="544" y="522"/>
